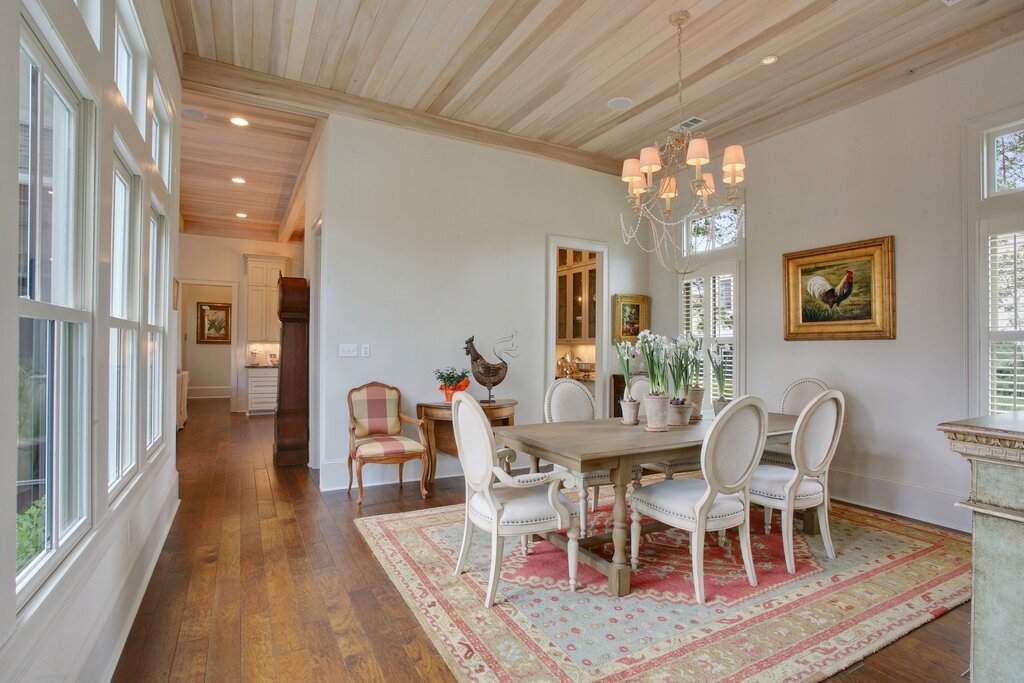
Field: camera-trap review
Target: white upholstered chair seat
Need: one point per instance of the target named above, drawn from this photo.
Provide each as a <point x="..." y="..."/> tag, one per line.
<point x="520" y="506"/>
<point x="769" y="481"/>
<point x="679" y="497"/>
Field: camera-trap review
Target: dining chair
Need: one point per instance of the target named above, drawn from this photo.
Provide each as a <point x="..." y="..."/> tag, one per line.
<point x="641" y="387"/>
<point x="721" y="500"/>
<point x="805" y="485"/>
<point x="794" y="399"/>
<point x="567" y="400"/>
<point x="503" y="505"/>
<point x="375" y="433"/>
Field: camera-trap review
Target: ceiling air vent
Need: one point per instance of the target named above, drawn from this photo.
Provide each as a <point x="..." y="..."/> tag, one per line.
<point x="950" y="3"/>
<point x="242" y="220"/>
<point x="689" y="124"/>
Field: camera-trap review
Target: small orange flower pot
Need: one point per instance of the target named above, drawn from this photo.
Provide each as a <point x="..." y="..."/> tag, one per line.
<point x="450" y="391"/>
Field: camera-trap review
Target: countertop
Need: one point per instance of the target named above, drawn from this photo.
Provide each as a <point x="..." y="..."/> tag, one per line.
<point x="263" y="367"/>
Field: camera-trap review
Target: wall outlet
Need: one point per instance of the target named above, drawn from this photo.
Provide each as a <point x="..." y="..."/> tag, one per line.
<point x="347" y="351"/>
<point x="364" y="350"/>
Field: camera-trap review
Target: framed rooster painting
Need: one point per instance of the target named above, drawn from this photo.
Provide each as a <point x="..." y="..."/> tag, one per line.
<point x="845" y="291"/>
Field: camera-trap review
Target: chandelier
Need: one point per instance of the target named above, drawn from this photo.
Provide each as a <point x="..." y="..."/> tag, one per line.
<point x="653" y="180"/>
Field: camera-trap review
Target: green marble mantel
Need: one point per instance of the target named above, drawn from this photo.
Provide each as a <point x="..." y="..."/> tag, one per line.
<point x="994" y="447"/>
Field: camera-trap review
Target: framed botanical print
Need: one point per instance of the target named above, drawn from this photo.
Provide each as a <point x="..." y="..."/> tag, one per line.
<point x="630" y="314"/>
<point x="845" y="291"/>
<point x="213" y="323"/>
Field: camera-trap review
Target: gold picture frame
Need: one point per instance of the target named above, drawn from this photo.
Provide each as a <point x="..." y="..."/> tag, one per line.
<point x="844" y="291"/>
<point x="630" y="314"/>
<point x="213" y="323"/>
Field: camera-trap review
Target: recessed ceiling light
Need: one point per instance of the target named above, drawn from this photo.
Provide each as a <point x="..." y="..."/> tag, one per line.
<point x="768" y="60"/>
<point x="240" y="181"/>
<point x="193" y="113"/>
<point x="239" y="121"/>
<point x="242" y="215"/>
<point x="620" y="103"/>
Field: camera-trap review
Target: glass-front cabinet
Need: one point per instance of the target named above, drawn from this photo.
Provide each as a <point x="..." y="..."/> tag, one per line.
<point x="577" y="296"/>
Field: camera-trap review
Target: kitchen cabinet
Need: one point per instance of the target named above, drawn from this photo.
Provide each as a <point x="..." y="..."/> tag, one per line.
<point x="577" y="297"/>
<point x="262" y="273"/>
<point x="262" y="390"/>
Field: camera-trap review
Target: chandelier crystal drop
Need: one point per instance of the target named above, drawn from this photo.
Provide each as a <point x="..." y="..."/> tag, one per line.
<point x="653" y="180"/>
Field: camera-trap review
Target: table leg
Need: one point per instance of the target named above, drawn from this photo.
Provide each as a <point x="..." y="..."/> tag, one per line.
<point x="618" y="577"/>
<point x="534" y="464"/>
<point x="811" y="527"/>
<point x="433" y="450"/>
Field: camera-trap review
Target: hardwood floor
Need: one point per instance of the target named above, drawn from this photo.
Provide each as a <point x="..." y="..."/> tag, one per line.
<point x="264" y="578"/>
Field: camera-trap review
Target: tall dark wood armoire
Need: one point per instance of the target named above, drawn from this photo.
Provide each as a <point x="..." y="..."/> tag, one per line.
<point x="291" y="422"/>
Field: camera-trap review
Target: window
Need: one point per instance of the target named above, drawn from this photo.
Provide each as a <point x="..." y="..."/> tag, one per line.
<point x="123" y="74"/>
<point x="709" y="298"/>
<point x="156" y="330"/>
<point x="160" y="131"/>
<point x="53" y="322"/>
<point x="1005" y="322"/>
<point x="1004" y="151"/>
<point x="124" y="322"/>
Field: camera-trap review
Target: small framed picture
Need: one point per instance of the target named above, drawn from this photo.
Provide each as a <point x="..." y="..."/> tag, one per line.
<point x="630" y="314"/>
<point x="213" y="323"/>
<point x="845" y="291"/>
<point x="175" y="288"/>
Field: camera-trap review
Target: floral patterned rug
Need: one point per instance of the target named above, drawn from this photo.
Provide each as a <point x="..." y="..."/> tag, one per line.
<point x="889" y="577"/>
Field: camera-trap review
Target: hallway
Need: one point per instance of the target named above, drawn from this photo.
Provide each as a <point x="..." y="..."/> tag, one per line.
<point x="264" y="578"/>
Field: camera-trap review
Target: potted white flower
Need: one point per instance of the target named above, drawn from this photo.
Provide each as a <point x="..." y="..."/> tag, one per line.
<point x="654" y="349"/>
<point x="630" y="406"/>
<point x="679" y="411"/>
<point x="695" y="393"/>
<point x="717" y="360"/>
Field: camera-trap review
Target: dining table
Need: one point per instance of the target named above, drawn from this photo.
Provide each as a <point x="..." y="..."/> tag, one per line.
<point x="608" y="444"/>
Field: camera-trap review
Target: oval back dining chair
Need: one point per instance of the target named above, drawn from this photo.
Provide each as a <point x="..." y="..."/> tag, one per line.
<point x="503" y="505"/>
<point x="641" y="387"/>
<point x="794" y="399"/>
<point x="805" y="485"/>
<point x="567" y="400"/>
<point x="721" y="500"/>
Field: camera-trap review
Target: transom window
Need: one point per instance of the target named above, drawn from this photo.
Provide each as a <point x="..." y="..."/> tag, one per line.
<point x="719" y="230"/>
<point x="1004" y="151"/>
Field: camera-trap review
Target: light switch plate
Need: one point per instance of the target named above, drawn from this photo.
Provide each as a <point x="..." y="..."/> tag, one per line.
<point x="347" y="351"/>
<point x="364" y="351"/>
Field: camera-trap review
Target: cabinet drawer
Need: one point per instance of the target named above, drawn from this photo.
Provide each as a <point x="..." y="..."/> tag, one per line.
<point x="262" y="403"/>
<point x="262" y="384"/>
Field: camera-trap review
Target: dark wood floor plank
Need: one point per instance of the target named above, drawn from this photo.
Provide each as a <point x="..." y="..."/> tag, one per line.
<point x="264" y="578"/>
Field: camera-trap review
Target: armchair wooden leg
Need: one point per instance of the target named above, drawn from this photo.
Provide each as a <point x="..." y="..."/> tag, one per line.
<point x="748" y="556"/>
<point x="826" y="534"/>
<point x="697" y="557"/>
<point x="359" y="481"/>
<point x="767" y="520"/>
<point x="423" y="477"/>
<point x="401" y="466"/>
<point x="787" y="539"/>
<point x="349" y="461"/>
<point x="594" y="498"/>
<point x="467" y="540"/>
<point x="574" y="556"/>
<point x="497" y="552"/>
<point x="583" y="509"/>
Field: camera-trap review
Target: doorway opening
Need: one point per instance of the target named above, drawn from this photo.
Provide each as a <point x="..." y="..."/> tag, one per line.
<point x="210" y="364"/>
<point x="578" y="315"/>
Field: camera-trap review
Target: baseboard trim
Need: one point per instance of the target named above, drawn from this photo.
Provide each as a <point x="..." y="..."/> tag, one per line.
<point x="910" y="499"/>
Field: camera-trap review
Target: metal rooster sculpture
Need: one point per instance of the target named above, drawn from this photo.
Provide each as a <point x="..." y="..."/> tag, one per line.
<point x="487" y="373"/>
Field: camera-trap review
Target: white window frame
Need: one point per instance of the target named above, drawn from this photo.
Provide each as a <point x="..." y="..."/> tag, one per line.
<point x="121" y="39"/>
<point x="63" y="541"/>
<point x="155" y="303"/>
<point x="990" y="157"/>
<point x="127" y="31"/>
<point x="719" y="261"/>
<point x="160" y="133"/>
<point x="985" y="213"/>
<point x="130" y="323"/>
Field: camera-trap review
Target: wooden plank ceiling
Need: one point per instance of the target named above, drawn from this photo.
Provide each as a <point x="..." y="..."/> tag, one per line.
<point x="537" y="74"/>
<point x="268" y="154"/>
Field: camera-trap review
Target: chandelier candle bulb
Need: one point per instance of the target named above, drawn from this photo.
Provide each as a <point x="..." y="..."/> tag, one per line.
<point x="733" y="159"/>
<point x="732" y="177"/>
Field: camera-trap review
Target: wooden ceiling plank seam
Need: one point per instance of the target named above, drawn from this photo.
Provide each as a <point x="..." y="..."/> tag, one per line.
<point x="655" y="73"/>
<point x="430" y="56"/>
<point x="497" y="10"/>
<point x="223" y="30"/>
<point x="262" y="32"/>
<point x="319" y="39"/>
<point x="242" y="32"/>
<point x="297" y="201"/>
<point x="214" y="78"/>
<point x="534" y="40"/>
<point x="400" y="29"/>
<point x="472" y="60"/>
<point x="344" y="22"/>
<point x="545" y="62"/>
<point x="432" y="13"/>
<point x="741" y="80"/>
<point x="202" y="17"/>
<point x="986" y="37"/>
<point x="299" y="40"/>
<point x="281" y="36"/>
<point x="365" y="18"/>
<point x="388" y="24"/>
<point x="473" y="12"/>
<point x="600" y="66"/>
<point x="746" y="47"/>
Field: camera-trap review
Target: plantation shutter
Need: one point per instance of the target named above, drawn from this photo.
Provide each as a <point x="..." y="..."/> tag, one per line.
<point x="708" y="311"/>
<point x="1005" y="374"/>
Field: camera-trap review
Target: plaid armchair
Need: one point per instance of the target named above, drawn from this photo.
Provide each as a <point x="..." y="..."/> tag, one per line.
<point x="375" y="433"/>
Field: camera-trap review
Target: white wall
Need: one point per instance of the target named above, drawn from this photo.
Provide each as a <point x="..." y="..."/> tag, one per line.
<point x="889" y="166"/>
<point x="220" y="260"/>
<point x="208" y="365"/>
<point x="73" y="627"/>
<point x="448" y="242"/>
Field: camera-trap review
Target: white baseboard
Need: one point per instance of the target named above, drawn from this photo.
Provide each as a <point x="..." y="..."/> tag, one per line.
<point x="209" y="392"/>
<point x="910" y="499"/>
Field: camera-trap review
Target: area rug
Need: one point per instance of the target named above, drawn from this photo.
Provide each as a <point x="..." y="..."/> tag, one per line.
<point x="889" y="577"/>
